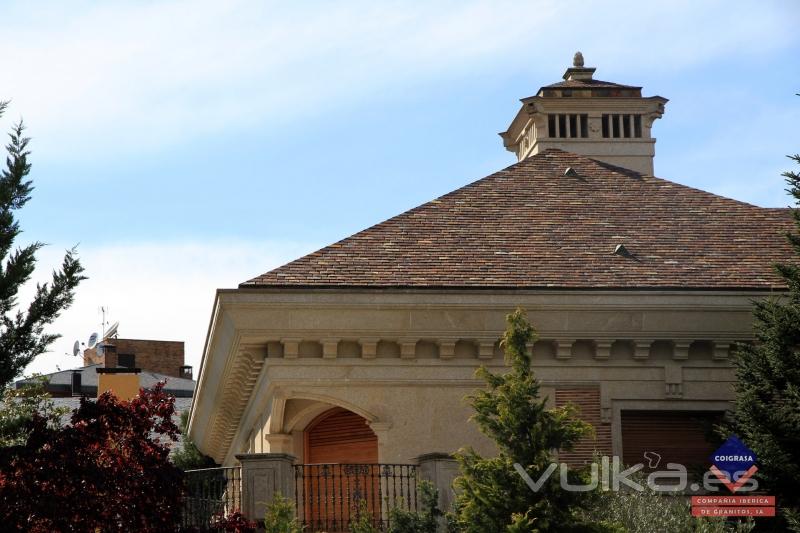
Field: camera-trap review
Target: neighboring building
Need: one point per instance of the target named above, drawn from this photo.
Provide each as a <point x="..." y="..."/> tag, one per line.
<point x="363" y="351"/>
<point x="160" y="360"/>
<point x="153" y="361"/>
<point x="162" y="357"/>
<point x="84" y="381"/>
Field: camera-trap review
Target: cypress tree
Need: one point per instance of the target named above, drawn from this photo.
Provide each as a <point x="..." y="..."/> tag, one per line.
<point x="767" y="408"/>
<point x="22" y="335"/>
<point x="493" y="495"/>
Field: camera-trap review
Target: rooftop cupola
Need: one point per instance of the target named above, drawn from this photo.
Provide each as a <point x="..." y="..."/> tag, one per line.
<point x="599" y="119"/>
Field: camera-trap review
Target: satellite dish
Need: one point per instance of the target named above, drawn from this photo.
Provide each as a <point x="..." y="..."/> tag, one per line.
<point x="100" y="349"/>
<point x="112" y="331"/>
<point x="92" y="340"/>
<point x="76" y="348"/>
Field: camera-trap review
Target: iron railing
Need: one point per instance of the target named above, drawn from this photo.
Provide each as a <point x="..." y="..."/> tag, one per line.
<point x="210" y="492"/>
<point x="329" y="496"/>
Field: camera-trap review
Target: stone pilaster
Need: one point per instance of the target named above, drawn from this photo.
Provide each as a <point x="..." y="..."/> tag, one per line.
<point x="673" y="381"/>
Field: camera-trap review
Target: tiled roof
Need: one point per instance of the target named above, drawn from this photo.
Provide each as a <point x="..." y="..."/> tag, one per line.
<point x="594" y="84"/>
<point x="531" y="226"/>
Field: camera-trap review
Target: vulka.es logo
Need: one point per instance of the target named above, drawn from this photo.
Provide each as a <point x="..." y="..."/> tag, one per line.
<point x="609" y="474"/>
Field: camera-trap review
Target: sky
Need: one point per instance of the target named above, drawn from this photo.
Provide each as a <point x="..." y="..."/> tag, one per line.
<point x="187" y="146"/>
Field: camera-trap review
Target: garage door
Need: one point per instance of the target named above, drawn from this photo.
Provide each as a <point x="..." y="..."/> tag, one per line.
<point x="677" y="436"/>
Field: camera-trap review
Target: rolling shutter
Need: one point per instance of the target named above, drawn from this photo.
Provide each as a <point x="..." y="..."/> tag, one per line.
<point x="340" y="436"/>
<point x="587" y="399"/>
<point x="677" y="436"/>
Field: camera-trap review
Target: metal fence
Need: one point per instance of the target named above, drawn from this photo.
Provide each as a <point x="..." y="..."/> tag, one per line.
<point x="330" y="496"/>
<point x="210" y="492"/>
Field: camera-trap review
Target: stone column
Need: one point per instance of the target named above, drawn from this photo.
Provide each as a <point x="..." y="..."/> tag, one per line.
<point x="263" y="476"/>
<point x="440" y="469"/>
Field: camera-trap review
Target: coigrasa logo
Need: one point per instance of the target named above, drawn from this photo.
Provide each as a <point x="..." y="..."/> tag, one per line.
<point x="733" y="463"/>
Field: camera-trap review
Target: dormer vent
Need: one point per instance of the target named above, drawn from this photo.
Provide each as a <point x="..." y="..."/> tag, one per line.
<point x="621" y="250"/>
<point x="571" y="172"/>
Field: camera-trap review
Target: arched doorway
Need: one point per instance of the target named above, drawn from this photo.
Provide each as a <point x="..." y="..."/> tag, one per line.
<point x="340" y="436"/>
<point x="340" y="474"/>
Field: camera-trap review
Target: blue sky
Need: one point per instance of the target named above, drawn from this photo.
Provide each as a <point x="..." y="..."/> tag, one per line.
<point x="190" y="145"/>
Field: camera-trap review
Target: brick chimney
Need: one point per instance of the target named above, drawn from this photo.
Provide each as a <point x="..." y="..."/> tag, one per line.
<point x="109" y="355"/>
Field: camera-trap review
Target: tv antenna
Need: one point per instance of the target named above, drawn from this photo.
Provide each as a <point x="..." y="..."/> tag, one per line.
<point x="103" y="323"/>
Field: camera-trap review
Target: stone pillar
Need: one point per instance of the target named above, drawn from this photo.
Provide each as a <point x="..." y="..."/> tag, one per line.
<point x="263" y="476"/>
<point x="441" y="470"/>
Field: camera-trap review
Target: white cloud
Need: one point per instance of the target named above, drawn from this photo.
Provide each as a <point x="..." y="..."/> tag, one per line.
<point x="133" y="76"/>
<point x="156" y="291"/>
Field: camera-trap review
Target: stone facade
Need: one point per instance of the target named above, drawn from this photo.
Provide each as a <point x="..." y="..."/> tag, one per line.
<point x="405" y="360"/>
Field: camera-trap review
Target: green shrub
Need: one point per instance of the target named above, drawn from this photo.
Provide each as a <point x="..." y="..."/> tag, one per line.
<point x="188" y="457"/>
<point x="362" y="521"/>
<point x="280" y="517"/>
<point x="18" y="407"/>
<point x="426" y="520"/>
<point x="647" y="511"/>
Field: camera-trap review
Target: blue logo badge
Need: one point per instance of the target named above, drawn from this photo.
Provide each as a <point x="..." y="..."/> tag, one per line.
<point x="733" y="458"/>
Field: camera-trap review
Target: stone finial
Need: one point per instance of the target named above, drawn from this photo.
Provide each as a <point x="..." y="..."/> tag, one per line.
<point x="577" y="60"/>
